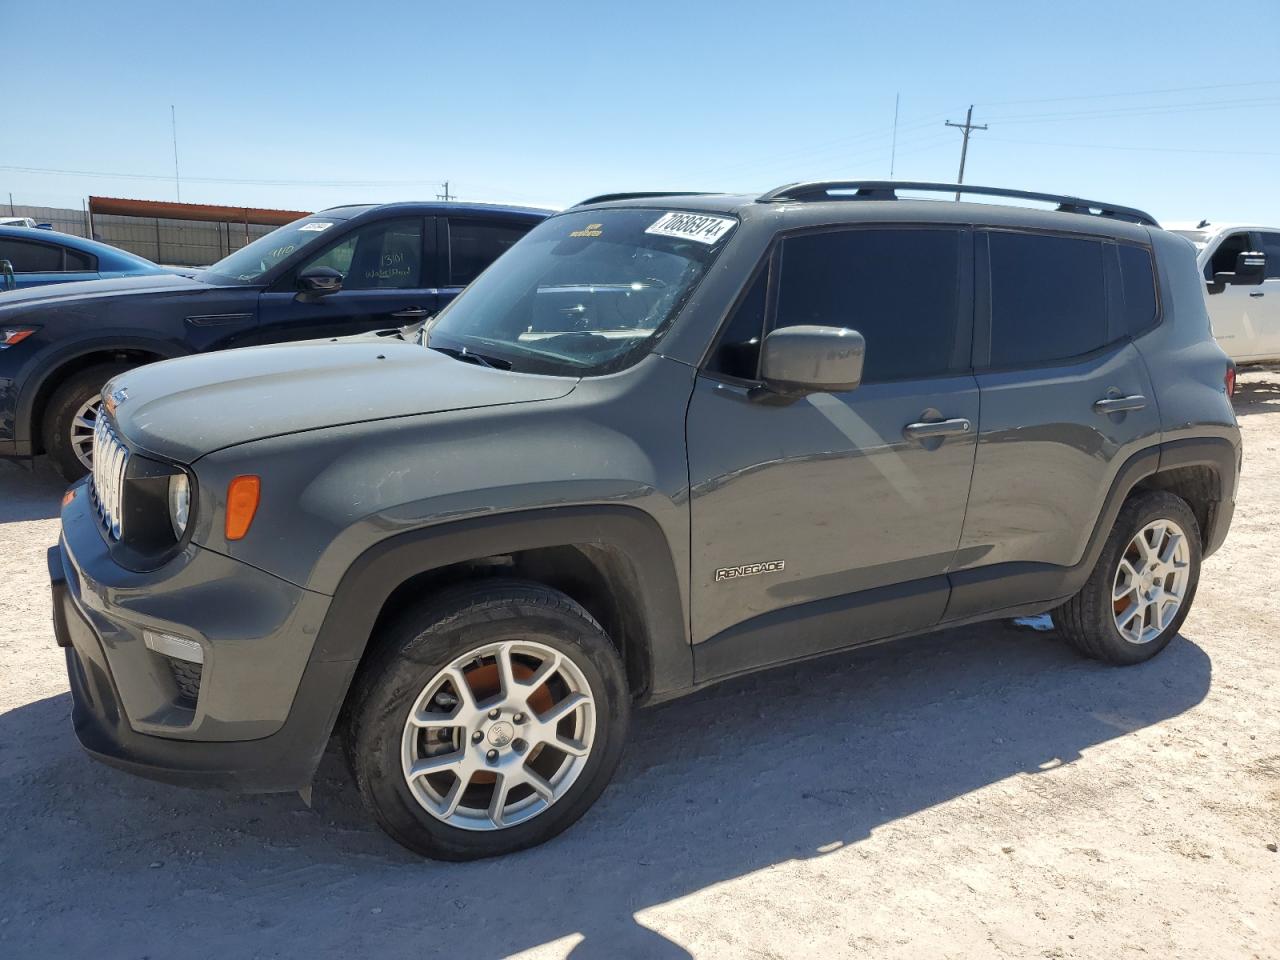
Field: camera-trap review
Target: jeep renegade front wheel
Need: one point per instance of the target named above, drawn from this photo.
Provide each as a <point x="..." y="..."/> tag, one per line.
<point x="1143" y="585"/>
<point x="489" y="721"/>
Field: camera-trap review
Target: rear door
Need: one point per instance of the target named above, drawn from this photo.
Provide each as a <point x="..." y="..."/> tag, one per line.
<point x="1266" y="296"/>
<point x="388" y="269"/>
<point x="468" y="245"/>
<point x="822" y="522"/>
<point x="1065" y="401"/>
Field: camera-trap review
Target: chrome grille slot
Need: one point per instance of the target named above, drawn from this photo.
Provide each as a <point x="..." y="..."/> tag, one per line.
<point x="110" y="457"/>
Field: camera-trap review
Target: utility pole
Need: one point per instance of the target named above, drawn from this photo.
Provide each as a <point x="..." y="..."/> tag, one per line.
<point x="893" y="150"/>
<point x="446" y="195"/>
<point x="968" y="126"/>
<point x="177" y="182"/>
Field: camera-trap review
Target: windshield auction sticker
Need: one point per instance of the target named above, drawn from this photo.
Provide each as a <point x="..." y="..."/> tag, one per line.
<point x="692" y="226"/>
<point x="315" y="225"/>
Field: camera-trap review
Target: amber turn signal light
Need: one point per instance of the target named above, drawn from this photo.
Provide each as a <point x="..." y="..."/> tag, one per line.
<point x="242" y="503"/>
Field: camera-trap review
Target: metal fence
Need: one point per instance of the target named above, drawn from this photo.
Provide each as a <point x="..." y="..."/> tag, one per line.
<point x="186" y="243"/>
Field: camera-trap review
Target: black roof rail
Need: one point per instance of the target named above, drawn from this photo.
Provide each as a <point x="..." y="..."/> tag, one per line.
<point x="642" y="195"/>
<point x="818" y="190"/>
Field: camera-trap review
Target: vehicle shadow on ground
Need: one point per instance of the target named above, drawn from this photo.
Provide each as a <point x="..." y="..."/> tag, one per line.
<point x="781" y="766"/>
<point x="32" y="490"/>
<point x="1257" y="391"/>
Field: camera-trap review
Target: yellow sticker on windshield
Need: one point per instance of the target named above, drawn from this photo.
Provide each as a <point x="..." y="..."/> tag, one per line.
<point x="591" y="230"/>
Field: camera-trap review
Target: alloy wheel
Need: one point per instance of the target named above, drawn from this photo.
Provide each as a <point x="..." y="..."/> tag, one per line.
<point x="1151" y="581"/>
<point x="498" y="736"/>
<point x="82" y="425"/>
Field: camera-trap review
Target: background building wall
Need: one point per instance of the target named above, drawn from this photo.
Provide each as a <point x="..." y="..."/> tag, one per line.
<point x="186" y="243"/>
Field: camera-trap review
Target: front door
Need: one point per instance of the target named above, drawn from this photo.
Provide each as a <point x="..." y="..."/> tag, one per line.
<point x="830" y="520"/>
<point x="1066" y="400"/>
<point x="1237" y="313"/>
<point x="387" y="282"/>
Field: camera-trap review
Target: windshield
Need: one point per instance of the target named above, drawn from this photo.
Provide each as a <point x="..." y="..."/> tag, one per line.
<point x="582" y="293"/>
<point x="250" y="263"/>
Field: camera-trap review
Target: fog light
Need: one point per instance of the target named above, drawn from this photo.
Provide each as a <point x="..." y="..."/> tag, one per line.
<point x="180" y="648"/>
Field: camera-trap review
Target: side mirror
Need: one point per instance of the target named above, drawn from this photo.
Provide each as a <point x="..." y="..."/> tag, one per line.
<point x="1251" y="268"/>
<point x="319" y="281"/>
<point x="804" y="359"/>
<point x="7" y="279"/>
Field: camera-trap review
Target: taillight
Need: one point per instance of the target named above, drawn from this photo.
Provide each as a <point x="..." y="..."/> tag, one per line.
<point x="1229" y="381"/>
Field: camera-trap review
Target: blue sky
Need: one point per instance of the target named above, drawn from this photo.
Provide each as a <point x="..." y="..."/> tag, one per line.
<point x="1170" y="106"/>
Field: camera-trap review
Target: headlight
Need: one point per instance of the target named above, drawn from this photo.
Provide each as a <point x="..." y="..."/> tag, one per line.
<point x="179" y="503"/>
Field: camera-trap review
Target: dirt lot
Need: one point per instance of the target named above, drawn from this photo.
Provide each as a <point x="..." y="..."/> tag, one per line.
<point x="980" y="793"/>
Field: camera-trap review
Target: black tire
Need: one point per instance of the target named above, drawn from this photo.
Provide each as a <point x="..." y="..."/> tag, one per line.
<point x="1088" y="620"/>
<point x="413" y="650"/>
<point x="60" y="412"/>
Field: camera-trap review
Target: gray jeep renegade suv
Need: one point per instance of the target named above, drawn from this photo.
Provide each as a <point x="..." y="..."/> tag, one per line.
<point x="664" y="440"/>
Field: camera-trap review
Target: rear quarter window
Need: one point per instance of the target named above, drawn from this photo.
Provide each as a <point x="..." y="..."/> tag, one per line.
<point x="77" y="261"/>
<point x="1138" y="283"/>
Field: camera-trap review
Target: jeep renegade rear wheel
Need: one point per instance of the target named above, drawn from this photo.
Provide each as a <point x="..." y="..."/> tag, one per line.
<point x="491" y="720"/>
<point x="1142" y="587"/>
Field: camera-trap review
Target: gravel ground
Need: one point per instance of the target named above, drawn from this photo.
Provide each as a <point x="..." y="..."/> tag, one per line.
<point x="978" y="793"/>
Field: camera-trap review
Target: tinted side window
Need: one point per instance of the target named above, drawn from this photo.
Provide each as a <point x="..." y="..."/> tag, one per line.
<point x="474" y="245"/>
<point x="738" y="351"/>
<point x="1048" y="300"/>
<point x="28" y="257"/>
<point x="79" y="261"/>
<point x="1271" y="247"/>
<point x="1138" y="282"/>
<point x="899" y="288"/>
<point x="385" y="255"/>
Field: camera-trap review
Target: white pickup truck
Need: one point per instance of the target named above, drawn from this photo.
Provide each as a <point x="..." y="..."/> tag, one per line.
<point x="1245" y="317"/>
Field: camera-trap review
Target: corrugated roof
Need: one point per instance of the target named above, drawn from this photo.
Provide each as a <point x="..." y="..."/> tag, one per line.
<point x="119" y="206"/>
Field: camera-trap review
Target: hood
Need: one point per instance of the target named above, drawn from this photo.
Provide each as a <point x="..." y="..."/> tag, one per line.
<point x="185" y="408"/>
<point x="90" y="289"/>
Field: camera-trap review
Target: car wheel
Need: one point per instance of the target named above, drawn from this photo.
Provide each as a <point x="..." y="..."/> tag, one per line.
<point x="488" y="721"/>
<point x="1143" y="585"/>
<point x="70" y="416"/>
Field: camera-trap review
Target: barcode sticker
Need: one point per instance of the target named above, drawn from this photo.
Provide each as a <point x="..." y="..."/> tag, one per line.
<point x="692" y="226"/>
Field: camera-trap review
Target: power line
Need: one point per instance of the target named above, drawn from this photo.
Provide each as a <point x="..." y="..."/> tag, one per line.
<point x="968" y="127"/>
<point x="1114" y="146"/>
<point x="1150" y="110"/>
<point x="1133" y="93"/>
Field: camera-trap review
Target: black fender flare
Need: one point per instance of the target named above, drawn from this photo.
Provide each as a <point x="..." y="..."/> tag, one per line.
<point x="652" y="582"/>
<point x="977" y="591"/>
<point x="45" y="366"/>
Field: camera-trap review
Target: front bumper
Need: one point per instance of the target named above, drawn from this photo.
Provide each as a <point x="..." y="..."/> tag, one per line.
<point x="263" y="708"/>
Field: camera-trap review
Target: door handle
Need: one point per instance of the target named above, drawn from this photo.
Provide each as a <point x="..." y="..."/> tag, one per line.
<point x="1257" y="293"/>
<point x="1109" y="405"/>
<point x="935" y="429"/>
<point x="411" y="313"/>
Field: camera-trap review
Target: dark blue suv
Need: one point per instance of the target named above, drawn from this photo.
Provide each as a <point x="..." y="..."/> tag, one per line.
<point x="342" y="271"/>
